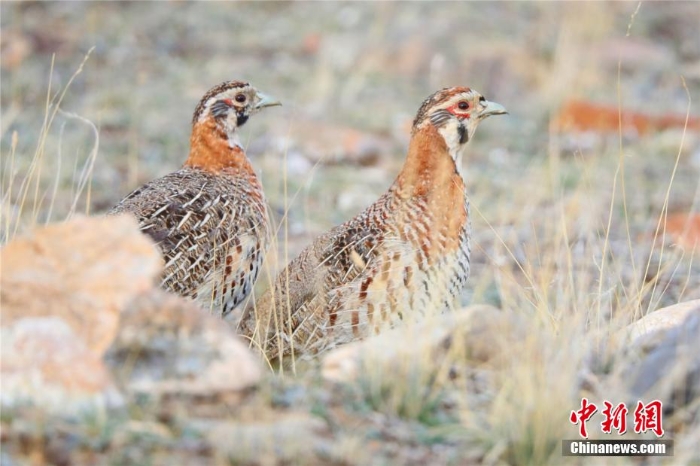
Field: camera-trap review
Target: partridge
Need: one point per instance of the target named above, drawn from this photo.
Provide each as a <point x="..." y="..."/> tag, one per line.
<point x="209" y="218"/>
<point x="406" y="255"/>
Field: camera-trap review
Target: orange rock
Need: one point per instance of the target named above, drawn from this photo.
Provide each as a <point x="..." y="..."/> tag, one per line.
<point x="311" y="44"/>
<point x="46" y="364"/>
<point x="685" y="230"/>
<point x="578" y="115"/>
<point x="15" y="47"/>
<point x="83" y="271"/>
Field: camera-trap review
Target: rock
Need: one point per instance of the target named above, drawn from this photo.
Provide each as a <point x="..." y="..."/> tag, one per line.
<point x="167" y="345"/>
<point x="45" y="364"/>
<point x="669" y="371"/>
<point x="662" y="319"/>
<point x="83" y="271"/>
<point x="63" y="287"/>
<point x="685" y="231"/>
<point x="580" y="116"/>
<point x="482" y="333"/>
<point x="657" y="359"/>
<point x="311" y="43"/>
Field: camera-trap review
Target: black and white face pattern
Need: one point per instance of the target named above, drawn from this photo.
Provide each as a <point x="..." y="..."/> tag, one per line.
<point x="231" y="103"/>
<point x="456" y="112"/>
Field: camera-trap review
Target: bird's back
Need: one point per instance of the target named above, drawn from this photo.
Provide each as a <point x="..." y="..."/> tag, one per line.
<point x="212" y="229"/>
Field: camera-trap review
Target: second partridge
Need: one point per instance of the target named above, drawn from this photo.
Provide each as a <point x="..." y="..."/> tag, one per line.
<point x="404" y="256"/>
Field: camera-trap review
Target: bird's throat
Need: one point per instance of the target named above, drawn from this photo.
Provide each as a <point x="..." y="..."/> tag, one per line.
<point x="212" y="149"/>
<point x="430" y="166"/>
<point x="430" y="176"/>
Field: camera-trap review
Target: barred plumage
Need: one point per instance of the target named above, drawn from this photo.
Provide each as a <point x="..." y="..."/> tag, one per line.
<point x="210" y="217"/>
<point x="403" y="257"/>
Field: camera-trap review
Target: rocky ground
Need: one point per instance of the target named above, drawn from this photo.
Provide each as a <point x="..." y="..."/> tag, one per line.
<point x="573" y="260"/>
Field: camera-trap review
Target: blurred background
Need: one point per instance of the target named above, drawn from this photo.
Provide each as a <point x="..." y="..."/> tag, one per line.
<point x="584" y="198"/>
<point x="352" y="76"/>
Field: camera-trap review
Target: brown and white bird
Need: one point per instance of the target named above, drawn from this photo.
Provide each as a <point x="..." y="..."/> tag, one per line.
<point x="406" y="255"/>
<point x="210" y="218"/>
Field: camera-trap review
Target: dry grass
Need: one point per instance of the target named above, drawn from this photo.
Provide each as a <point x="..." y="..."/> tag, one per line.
<point x="34" y="201"/>
<point x="569" y="235"/>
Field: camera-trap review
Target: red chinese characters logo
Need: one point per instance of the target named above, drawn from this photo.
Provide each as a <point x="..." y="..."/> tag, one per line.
<point x="615" y="418"/>
<point x="582" y="416"/>
<point x="647" y="417"/>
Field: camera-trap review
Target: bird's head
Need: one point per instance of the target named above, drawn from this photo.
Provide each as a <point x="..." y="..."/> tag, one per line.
<point x="455" y="112"/>
<point x="230" y="104"/>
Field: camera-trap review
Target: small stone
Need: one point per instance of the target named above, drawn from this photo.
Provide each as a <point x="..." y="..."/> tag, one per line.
<point x="479" y="331"/>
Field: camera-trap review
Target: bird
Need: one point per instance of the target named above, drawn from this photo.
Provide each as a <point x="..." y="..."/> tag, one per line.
<point x="406" y="255"/>
<point x="209" y="218"/>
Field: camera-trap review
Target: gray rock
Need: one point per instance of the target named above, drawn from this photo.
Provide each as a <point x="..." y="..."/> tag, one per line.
<point x="671" y="370"/>
<point x="168" y="345"/>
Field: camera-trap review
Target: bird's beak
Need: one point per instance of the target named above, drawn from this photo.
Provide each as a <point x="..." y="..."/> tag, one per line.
<point x="266" y="101"/>
<point x="492" y="108"/>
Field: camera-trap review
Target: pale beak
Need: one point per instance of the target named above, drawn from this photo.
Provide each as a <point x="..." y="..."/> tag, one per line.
<point x="492" y="108"/>
<point x="266" y="101"/>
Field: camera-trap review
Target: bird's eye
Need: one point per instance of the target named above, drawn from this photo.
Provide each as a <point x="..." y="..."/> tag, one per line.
<point x="240" y="98"/>
<point x="481" y="99"/>
<point x="463" y="105"/>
